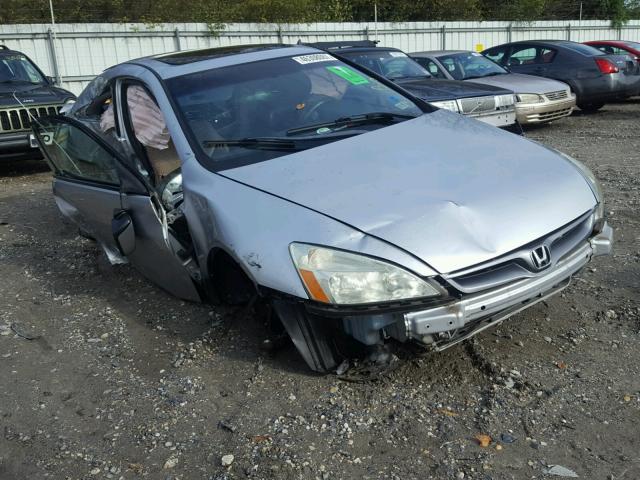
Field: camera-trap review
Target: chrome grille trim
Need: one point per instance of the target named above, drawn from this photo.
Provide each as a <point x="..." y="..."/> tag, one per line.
<point x="559" y="95"/>
<point x="473" y="105"/>
<point x="515" y="266"/>
<point x="19" y="119"/>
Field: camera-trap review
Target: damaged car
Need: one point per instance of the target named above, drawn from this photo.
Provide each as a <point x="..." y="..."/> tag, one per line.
<point x="362" y="215"/>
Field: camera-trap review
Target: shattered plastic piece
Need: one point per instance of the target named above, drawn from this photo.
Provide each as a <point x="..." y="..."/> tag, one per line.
<point x="343" y="367"/>
<point x="560" y="471"/>
<point x="506" y="438"/>
<point x="483" y="440"/>
<point x="446" y="412"/>
<point x="227" y="460"/>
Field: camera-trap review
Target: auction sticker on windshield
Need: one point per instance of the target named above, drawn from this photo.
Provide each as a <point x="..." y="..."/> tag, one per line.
<point x="314" y="58"/>
<point x="349" y="75"/>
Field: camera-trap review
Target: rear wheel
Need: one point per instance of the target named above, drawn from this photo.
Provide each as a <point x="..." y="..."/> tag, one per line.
<point x="590" y="107"/>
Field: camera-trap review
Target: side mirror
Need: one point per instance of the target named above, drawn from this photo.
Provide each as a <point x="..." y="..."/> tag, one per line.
<point x="123" y="232"/>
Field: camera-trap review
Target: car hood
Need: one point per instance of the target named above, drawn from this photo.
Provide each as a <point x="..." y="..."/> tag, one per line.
<point x="433" y="90"/>
<point x="31" y="94"/>
<point x="452" y="191"/>
<point x="522" y="83"/>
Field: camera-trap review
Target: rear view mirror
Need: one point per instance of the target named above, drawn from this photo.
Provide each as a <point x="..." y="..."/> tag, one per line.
<point x="51" y="80"/>
<point x="123" y="233"/>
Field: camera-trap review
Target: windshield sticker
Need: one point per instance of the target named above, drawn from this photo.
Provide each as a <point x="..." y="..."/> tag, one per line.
<point x="397" y="54"/>
<point x="322" y="130"/>
<point x="476" y="54"/>
<point x="314" y="58"/>
<point x="349" y="75"/>
<point x="403" y="104"/>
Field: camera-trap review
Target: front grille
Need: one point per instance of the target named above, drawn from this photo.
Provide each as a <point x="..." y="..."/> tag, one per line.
<point x="514" y="266"/>
<point x="475" y="105"/>
<point x="559" y="95"/>
<point x="19" y="119"/>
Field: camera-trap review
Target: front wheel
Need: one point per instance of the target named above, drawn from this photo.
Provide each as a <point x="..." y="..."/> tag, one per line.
<point x="590" y="107"/>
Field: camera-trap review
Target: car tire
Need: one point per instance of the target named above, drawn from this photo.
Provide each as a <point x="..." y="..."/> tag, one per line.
<point x="590" y="107"/>
<point x="315" y="337"/>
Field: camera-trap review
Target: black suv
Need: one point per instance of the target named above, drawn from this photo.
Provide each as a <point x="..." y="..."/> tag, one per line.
<point x="25" y="94"/>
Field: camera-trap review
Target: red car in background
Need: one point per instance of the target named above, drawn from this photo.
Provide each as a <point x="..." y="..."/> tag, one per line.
<point x="617" y="47"/>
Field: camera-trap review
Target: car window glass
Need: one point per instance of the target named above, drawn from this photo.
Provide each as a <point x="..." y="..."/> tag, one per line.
<point x="271" y="97"/>
<point x="634" y="45"/>
<point x="389" y="63"/>
<point x="468" y="65"/>
<point x="581" y="48"/>
<point x="75" y="154"/>
<point x="545" y="55"/>
<point x="431" y="67"/>
<point x="495" y="54"/>
<point x="523" y="56"/>
<point x="18" y="68"/>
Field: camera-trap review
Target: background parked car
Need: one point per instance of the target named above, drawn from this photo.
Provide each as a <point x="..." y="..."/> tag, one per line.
<point x="487" y="103"/>
<point x="25" y="93"/>
<point x="594" y="77"/>
<point x="618" y="47"/>
<point x="537" y="99"/>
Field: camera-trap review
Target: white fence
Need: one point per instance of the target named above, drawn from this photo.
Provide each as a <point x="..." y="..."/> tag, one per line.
<point x="78" y="52"/>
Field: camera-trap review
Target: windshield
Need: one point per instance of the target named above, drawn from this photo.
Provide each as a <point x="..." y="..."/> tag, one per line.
<point x="462" y="66"/>
<point x="634" y="45"/>
<point x="257" y="111"/>
<point x="388" y="63"/>
<point x="17" y="68"/>
<point x="581" y="48"/>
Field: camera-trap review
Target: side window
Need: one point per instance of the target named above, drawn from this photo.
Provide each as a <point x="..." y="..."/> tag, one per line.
<point x="496" y="54"/>
<point x="76" y="155"/>
<point x="431" y="67"/>
<point x="523" y="56"/>
<point x="546" y="55"/>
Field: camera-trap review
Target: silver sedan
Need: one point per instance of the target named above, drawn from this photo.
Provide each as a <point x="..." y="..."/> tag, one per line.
<point x="538" y="99"/>
<point x="361" y="214"/>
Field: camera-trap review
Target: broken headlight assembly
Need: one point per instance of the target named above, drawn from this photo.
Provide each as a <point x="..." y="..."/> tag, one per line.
<point x="343" y="278"/>
<point x="590" y="178"/>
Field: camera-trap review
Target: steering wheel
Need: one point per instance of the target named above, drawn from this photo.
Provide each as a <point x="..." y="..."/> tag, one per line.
<point x="323" y="101"/>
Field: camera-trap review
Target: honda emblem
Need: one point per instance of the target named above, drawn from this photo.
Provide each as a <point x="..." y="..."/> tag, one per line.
<point x="541" y="257"/>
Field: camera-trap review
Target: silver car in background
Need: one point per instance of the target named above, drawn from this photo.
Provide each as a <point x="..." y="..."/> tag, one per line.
<point x="538" y="99"/>
<point x="362" y="215"/>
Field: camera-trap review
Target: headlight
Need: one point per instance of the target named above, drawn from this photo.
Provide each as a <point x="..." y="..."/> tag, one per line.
<point x="334" y="276"/>
<point x="505" y="100"/>
<point x="593" y="183"/>
<point x="447" y="105"/>
<point x="529" y="98"/>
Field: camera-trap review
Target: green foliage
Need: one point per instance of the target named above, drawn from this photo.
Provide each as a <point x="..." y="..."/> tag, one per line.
<point x="219" y="12"/>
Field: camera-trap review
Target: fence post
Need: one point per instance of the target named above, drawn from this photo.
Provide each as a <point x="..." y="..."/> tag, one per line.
<point x="443" y="32"/>
<point x="279" y="33"/>
<point x="176" y="35"/>
<point x="509" y="32"/>
<point x="569" y="31"/>
<point x="54" y="57"/>
<point x="366" y="32"/>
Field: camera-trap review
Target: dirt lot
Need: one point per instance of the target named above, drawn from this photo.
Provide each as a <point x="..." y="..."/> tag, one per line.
<point x="105" y="376"/>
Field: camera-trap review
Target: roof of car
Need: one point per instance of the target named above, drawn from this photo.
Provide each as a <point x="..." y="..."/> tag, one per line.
<point x="175" y="64"/>
<point x="351" y="46"/>
<point x="439" y="53"/>
<point x="6" y="50"/>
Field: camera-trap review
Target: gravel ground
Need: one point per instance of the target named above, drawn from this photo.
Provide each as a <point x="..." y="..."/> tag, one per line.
<point x="106" y="376"/>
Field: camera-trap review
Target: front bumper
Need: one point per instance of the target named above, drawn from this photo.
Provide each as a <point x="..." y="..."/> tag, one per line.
<point x="14" y="146"/>
<point x="447" y="325"/>
<point x="497" y="118"/>
<point x="544" y="112"/>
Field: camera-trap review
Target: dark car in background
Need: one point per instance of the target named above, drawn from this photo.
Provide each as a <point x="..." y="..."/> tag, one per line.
<point x="617" y="47"/>
<point x="595" y="78"/>
<point x="25" y="94"/>
<point x="490" y="104"/>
